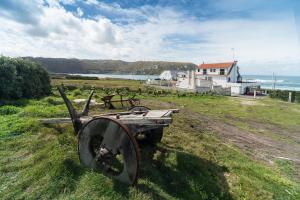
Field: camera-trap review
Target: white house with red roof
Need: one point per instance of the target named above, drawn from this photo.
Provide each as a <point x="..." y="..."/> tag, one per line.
<point x="215" y="76"/>
<point x="219" y="73"/>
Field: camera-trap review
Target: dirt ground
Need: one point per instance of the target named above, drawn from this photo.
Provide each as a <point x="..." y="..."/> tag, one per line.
<point x="259" y="145"/>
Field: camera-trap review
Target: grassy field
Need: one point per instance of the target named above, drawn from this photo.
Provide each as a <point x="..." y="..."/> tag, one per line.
<point x="204" y="154"/>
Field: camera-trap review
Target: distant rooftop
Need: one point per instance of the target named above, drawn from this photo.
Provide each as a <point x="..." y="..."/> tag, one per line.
<point x="216" y="65"/>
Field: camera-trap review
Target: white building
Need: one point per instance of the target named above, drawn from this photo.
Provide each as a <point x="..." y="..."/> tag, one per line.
<point x="219" y="73"/>
<point x="168" y="75"/>
<point x="215" y="75"/>
<point x="186" y="81"/>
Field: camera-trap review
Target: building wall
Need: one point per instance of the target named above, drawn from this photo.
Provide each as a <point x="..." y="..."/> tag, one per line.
<point x="233" y="75"/>
<point x="187" y="82"/>
<point x="202" y="80"/>
<point x="203" y="83"/>
<point x="217" y="72"/>
<point x="217" y="78"/>
<point x="240" y="88"/>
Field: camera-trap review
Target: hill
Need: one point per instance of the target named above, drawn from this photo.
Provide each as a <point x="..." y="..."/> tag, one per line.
<point x="66" y="65"/>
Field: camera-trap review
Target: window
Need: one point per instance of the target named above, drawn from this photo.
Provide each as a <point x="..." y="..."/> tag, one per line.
<point x="198" y="70"/>
<point x="212" y="70"/>
<point x="204" y="71"/>
<point x="222" y="71"/>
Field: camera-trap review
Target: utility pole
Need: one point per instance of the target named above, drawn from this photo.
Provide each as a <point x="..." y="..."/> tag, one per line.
<point x="274" y="81"/>
<point x="233" y="54"/>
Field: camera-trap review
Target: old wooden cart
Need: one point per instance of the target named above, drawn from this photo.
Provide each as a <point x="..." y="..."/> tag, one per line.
<point x="109" y="142"/>
<point x="108" y="101"/>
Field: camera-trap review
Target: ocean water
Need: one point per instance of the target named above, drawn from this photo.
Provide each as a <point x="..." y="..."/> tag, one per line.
<point x="281" y="83"/>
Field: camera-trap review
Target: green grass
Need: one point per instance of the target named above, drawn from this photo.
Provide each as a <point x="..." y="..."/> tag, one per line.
<point x="101" y="83"/>
<point x="41" y="162"/>
<point x="268" y="110"/>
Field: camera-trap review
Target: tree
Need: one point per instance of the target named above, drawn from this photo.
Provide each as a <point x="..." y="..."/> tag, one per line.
<point x="21" y="78"/>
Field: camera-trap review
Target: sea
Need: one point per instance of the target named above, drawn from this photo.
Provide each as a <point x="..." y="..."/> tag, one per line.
<point x="267" y="82"/>
<point x="280" y="82"/>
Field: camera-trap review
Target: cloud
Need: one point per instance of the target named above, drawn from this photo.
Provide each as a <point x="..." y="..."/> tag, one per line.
<point x="26" y="12"/>
<point x="150" y="33"/>
<point x="79" y="12"/>
<point x="68" y="2"/>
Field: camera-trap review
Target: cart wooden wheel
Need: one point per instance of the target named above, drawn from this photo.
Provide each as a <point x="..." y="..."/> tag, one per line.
<point x="107" y="145"/>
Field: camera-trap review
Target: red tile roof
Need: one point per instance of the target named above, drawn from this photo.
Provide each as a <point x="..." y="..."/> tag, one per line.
<point x="216" y="65"/>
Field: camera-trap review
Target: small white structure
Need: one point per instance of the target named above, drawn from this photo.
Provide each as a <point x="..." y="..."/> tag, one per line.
<point x="186" y="81"/>
<point x="168" y="75"/>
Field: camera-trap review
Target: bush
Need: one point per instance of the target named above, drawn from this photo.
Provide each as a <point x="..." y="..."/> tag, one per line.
<point x="77" y="92"/>
<point x="22" y="79"/>
<point x="9" y="110"/>
<point x="53" y="101"/>
<point x="284" y="95"/>
<point x="70" y="87"/>
<point x="77" y="77"/>
<point x="297" y="97"/>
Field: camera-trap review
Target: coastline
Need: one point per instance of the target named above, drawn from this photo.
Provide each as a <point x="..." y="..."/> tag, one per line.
<point x="290" y="83"/>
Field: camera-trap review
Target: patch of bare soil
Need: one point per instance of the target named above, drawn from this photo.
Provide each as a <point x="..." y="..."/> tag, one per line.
<point x="260" y="146"/>
<point x="250" y="103"/>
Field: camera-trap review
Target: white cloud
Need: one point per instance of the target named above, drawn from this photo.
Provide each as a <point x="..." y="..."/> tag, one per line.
<point x="91" y="2"/>
<point x="79" y="12"/>
<point x="166" y="35"/>
<point x="67" y="2"/>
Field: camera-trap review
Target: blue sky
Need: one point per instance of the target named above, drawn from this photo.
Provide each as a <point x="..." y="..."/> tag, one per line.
<point x="265" y="34"/>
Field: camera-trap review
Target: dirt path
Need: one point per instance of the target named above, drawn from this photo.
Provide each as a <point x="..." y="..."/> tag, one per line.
<point x="259" y="145"/>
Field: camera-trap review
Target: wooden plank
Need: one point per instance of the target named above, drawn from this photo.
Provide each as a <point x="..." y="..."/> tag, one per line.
<point x="152" y="117"/>
<point x="156" y="113"/>
<point x="125" y="120"/>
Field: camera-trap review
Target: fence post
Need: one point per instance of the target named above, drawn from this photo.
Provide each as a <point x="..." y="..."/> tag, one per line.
<point x="290" y="97"/>
<point x="254" y="94"/>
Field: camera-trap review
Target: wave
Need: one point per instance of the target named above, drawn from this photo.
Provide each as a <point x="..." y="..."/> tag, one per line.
<point x="282" y="88"/>
<point x="264" y="81"/>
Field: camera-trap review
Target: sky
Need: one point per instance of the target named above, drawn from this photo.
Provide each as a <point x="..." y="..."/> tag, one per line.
<point x="263" y="35"/>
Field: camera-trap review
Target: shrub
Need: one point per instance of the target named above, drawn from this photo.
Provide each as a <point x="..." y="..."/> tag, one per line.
<point x="70" y="87"/>
<point x="22" y="79"/>
<point x="9" y="110"/>
<point x="77" y="92"/>
<point x="297" y="97"/>
<point x="284" y="95"/>
<point x="78" y="77"/>
<point x="53" y="101"/>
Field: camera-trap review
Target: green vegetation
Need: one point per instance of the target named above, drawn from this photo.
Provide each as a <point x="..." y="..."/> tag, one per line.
<point x="65" y="65"/>
<point x="75" y="77"/>
<point x="242" y="110"/>
<point x="22" y="79"/>
<point x="192" y="162"/>
<point x="284" y="95"/>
